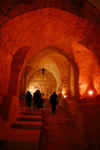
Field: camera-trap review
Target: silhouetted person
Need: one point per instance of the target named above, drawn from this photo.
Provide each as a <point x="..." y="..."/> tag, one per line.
<point x="28" y="98"/>
<point x="53" y="101"/>
<point x="36" y="98"/>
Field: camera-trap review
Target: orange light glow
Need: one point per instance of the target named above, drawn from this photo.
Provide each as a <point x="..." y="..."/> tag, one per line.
<point x="90" y="92"/>
<point x="65" y="96"/>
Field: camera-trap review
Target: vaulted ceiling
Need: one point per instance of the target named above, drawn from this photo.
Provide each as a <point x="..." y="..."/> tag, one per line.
<point x="37" y="34"/>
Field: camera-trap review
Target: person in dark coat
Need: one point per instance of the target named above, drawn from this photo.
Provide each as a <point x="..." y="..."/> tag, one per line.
<point x="53" y="101"/>
<point x="28" y="97"/>
<point x="36" y="98"/>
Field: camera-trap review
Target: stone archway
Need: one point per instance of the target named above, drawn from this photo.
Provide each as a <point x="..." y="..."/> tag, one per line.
<point x="16" y="66"/>
<point x="80" y="8"/>
<point x="42" y="28"/>
<point x="17" y="69"/>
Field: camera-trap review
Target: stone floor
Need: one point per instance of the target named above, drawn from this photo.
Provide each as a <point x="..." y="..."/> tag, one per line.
<point x="58" y="132"/>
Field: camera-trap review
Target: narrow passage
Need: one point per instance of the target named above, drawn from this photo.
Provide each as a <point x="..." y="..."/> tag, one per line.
<point x="58" y="132"/>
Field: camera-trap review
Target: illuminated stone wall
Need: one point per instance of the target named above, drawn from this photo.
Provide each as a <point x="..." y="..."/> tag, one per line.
<point x="72" y="82"/>
<point x="46" y="83"/>
<point x="89" y="75"/>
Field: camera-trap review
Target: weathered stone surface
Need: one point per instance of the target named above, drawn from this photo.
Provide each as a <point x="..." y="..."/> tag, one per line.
<point x="9" y="109"/>
<point x="10" y="9"/>
<point x="45" y="27"/>
<point x="64" y="38"/>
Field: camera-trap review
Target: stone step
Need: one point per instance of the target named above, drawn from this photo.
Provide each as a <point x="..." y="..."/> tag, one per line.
<point x="29" y="118"/>
<point x="31" y="112"/>
<point x="27" y="125"/>
<point x="20" y="139"/>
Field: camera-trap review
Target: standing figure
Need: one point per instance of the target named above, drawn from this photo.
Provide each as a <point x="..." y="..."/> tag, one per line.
<point x="53" y="101"/>
<point x="28" y="98"/>
<point x="36" y="98"/>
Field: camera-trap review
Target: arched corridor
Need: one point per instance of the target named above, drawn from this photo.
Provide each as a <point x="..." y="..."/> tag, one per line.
<point x="51" y="45"/>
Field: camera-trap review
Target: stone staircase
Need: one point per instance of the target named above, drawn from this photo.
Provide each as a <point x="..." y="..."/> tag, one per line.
<point x="24" y="133"/>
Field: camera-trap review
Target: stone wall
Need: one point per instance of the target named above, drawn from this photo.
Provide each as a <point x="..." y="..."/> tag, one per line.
<point x="5" y="63"/>
<point x="89" y="124"/>
<point x="9" y="109"/>
<point x="85" y="119"/>
<point x="72" y="82"/>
